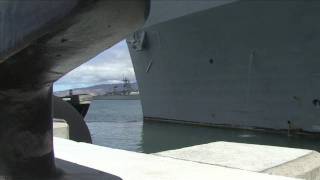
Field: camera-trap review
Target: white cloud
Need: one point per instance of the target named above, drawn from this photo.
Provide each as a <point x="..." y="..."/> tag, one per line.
<point x="108" y="67"/>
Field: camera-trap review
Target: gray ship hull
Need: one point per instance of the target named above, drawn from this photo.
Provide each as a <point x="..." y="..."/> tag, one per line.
<point x="244" y="64"/>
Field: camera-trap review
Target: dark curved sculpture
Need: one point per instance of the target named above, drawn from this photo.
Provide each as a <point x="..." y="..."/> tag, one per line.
<point x="78" y="130"/>
<point x="40" y="42"/>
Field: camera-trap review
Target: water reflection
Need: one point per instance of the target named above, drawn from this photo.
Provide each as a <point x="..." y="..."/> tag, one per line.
<point x="159" y="136"/>
<point x="119" y="124"/>
<point x="116" y="124"/>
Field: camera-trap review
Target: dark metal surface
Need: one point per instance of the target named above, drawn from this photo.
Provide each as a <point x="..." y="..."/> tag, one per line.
<point x="26" y="132"/>
<point x="57" y="43"/>
<point x="78" y="130"/>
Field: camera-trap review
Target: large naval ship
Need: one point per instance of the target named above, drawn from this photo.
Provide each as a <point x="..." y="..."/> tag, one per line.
<point x="235" y="63"/>
<point x="240" y="64"/>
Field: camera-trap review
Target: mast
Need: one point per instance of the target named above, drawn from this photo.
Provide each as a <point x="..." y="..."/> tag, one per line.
<point x="126" y="86"/>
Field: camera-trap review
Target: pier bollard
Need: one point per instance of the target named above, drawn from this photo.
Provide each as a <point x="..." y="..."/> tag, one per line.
<point x="26" y="142"/>
<point x="49" y="44"/>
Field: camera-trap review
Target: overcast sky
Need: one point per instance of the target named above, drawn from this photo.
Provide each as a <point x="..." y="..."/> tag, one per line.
<point x="108" y="67"/>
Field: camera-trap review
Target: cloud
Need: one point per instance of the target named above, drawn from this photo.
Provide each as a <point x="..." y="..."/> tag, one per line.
<point x="108" y="67"/>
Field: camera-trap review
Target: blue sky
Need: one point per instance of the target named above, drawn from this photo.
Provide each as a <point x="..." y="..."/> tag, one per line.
<point x="108" y="67"/>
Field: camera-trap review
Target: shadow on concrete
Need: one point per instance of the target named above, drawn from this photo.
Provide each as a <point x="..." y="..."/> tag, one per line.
<point x="70" y="171"/>
<point x="78" y="172"/>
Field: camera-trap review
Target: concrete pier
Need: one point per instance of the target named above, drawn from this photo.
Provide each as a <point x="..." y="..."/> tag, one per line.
<point x="290" y="162"/>
<point x="138" y="166"/>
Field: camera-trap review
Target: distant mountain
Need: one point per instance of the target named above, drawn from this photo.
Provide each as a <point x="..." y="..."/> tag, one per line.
<point x="97" y="89"/>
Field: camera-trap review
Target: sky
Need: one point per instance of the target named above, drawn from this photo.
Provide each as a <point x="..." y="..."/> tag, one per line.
<point x="108" y="67"/>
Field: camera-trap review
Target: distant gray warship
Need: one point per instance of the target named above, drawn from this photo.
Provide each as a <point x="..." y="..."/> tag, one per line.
<point x="240" y="64"/>
<point x="125" y="93"/>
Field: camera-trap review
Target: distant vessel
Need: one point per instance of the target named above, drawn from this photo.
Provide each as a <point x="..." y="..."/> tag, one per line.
<point x="238" y="64"/>
<point x="125" y="93"/>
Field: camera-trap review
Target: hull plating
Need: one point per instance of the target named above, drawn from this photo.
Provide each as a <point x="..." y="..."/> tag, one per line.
<point x="245" y="64"/>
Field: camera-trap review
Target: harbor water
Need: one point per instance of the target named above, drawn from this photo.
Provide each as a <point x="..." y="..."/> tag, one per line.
<point x="119" y="124"/>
